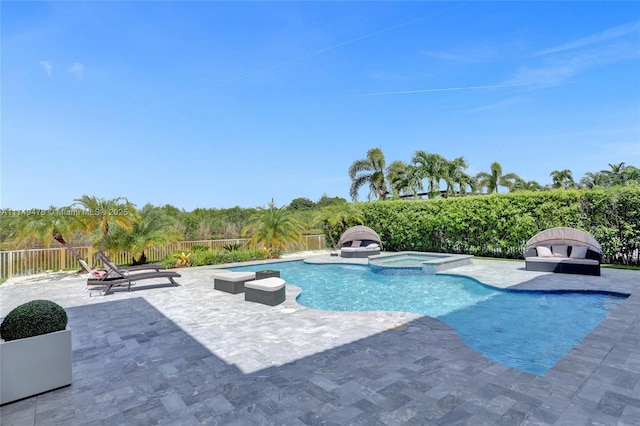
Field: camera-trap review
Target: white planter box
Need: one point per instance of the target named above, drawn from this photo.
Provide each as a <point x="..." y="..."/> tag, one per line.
<point x="34" y="365"/>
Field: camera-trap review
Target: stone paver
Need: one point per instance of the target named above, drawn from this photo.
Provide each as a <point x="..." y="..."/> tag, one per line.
<point x="193" y="355"/>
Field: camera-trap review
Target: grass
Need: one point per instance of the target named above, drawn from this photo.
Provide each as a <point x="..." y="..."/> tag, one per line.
<point x="629" y="267"/>
<point x="498" y="258"/>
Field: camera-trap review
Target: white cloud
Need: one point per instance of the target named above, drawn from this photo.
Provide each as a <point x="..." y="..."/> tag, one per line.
<point x="545" y="76"/>
<point x="48" y="68"/>
<point x="558" y="70"/>
<point x="77" y="69"/>
<point x="608" y="34"/>
<point x="558" y="64"/>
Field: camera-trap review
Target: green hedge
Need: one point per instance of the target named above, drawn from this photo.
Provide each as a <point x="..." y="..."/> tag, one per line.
<point x="207" y="257"/>
<point x="499" y="225"/>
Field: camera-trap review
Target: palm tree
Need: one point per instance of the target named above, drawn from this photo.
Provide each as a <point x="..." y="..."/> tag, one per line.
<point x="103" y="213"/>
<point x="562" y="179"/>
<point x="593" y="180"/>
<point x="469" y="182"/>
<point x="308" y="219"/>
<point x="275" y="228"/>
<point x="453" y="173"/>
<point x="495" y="179"/>
<point x="45" y="225"/>
<point x="617" y="175"/>
<point x="404" y="178"/>
<point x="632" y="174"/>
<point x="337" y="218"/>
<point x="430" y="167"/>
<point x="153" y="228"/>
<point x="523" y="185"/>
<point x="370" y="171"/>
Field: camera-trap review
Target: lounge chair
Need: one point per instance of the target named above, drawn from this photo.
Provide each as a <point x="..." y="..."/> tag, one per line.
<point x="563" y="250"/>
<point x="359" y="241"/>
<point x="110" y="269"/>
<point x="114" y="277"/>
<point x="142" y="267"/>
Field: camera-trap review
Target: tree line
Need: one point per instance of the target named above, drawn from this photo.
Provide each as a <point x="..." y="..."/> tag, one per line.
<point x="426" y="172"/>
<point x="117" y="224"/>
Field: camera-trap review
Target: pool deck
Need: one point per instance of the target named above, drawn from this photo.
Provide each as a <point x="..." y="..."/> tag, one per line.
<point x="192" y="355"/>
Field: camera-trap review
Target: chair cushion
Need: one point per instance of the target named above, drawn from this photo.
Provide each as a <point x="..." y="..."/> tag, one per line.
<point x="544" y="251"/>
<point x="234" y="276"/>
<point x="560" y="250"/>
<point x="266" y="284"/>
<point x="578" y="252"/>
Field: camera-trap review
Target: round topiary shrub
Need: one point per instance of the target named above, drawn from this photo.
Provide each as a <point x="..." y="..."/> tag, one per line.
<point x="33" y="319"/>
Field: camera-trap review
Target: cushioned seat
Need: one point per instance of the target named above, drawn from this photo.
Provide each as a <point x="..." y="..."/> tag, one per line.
<point x="563" y="260"/>
<point x="359" y="251"/>
<point x="231" y="281"/>
<point x="563" y="250"/>
<point x="268" y="291"/>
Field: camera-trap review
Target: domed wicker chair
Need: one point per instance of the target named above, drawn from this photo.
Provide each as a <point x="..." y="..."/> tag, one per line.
<point x="359" y="241"/>
<point x="563" y="250"/>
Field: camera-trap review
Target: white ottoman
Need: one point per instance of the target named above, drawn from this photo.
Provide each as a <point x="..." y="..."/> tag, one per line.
<point x="268" y="291"/>
<point x="231" y="281"/>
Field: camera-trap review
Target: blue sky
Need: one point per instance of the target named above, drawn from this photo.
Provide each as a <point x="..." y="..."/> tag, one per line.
<point x="218" y="104"/>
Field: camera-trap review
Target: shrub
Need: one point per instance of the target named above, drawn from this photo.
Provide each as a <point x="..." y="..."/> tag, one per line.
<point x="232" y="247"/>
<point x="499" y="225"/>
<point x="215" y="257"/>
<point x="183" y="259"/>
<point x="33" y="319"/>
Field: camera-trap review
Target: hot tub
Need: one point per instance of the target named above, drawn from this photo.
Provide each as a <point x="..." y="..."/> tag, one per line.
<point x="415" y="262"/>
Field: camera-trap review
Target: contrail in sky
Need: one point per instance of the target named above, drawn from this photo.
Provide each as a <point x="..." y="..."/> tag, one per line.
<point x="320" y="51"/>
<point x="446" y="89"/>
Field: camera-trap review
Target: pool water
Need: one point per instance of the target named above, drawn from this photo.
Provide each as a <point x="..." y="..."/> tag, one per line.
<point x="527" y="330"/>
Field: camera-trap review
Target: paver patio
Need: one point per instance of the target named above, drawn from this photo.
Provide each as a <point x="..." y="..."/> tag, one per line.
<point x="193" y="355"/>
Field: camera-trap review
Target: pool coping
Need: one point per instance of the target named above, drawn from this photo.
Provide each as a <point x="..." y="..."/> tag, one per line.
<point x="369" y="367"/>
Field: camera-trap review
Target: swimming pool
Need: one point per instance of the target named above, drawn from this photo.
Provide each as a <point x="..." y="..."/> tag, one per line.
<point x="526" y="330"/>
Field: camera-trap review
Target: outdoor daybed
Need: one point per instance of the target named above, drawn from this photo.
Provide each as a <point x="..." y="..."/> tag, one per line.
<point x="359" y="241"/>
<point x="563" y="250"/>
